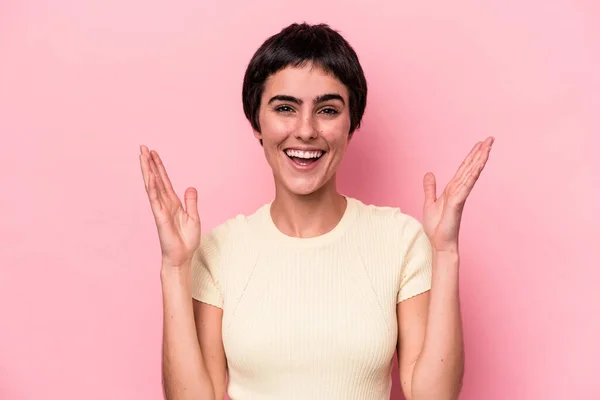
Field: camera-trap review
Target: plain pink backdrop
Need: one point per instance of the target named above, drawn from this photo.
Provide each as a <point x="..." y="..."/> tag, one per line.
<point x="82" y="84"/>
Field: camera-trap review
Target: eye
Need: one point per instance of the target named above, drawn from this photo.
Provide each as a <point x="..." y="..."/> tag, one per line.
<point x="283" y="109"/>
<point x="329" y="111"/>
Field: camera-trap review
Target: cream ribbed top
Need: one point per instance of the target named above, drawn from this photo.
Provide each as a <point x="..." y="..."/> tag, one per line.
<point x="312" y="318"/>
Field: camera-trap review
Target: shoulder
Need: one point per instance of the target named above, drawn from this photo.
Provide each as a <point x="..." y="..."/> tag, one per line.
<point x="230" y="236"/>
<point x="236" y="227"/>
<point x="394" y="245"/>
<point x="386" y="218"/>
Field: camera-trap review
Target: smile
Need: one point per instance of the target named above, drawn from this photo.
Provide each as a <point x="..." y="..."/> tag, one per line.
<point x="304" y="159"/>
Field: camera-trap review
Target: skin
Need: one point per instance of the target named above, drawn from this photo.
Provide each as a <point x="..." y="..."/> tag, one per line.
<point x="306" y="107"/>
<point x="430" y="345"/>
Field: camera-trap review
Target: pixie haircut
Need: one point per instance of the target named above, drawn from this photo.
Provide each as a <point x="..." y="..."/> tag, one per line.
<point x="296" y="46"/>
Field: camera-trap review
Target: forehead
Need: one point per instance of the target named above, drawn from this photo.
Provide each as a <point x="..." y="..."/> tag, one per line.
<point x="305" y="82"/>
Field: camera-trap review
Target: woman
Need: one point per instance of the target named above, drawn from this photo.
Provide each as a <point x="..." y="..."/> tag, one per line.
<point x="311" y="295"/>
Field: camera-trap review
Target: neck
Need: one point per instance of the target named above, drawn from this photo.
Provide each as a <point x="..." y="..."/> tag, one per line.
<point x="310" y="215"/>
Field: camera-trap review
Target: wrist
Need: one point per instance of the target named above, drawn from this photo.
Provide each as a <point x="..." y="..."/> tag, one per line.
<point x="175" y="272"/>
<point x="449" y="248"/>
<point x="450" y="255"/>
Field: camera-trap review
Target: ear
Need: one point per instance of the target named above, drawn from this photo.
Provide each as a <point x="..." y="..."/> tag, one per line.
<point x="258" y="136"/>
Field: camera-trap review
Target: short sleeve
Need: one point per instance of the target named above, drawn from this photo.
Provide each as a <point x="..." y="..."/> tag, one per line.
<point x="417" y="260"/>
<point x="206" y="271"/>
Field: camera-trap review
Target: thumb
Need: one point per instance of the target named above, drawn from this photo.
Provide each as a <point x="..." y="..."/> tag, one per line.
<point x="429" y="188"/>
<point x="191" y="203"/>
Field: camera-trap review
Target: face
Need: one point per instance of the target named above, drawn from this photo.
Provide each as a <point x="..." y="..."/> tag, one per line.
<point x="305" y="122"/>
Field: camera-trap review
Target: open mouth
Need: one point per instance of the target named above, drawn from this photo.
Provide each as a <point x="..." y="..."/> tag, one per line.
<point x="303" y="157"/>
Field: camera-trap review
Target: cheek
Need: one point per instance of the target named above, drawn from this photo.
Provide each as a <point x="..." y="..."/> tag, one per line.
<point x="276" y="129"/>
<point x="337" y="136"/>
<point x="335" y="130"/>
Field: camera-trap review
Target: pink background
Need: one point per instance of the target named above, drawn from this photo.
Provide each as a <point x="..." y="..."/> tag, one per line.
<point x="82" y="84"/>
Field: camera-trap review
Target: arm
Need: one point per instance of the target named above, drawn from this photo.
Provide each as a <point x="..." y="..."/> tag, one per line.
<point x="433" y="345"/>
<point x="430" y="347"/>
<point x="185" y="375"/>
<point x="209" y="321"/>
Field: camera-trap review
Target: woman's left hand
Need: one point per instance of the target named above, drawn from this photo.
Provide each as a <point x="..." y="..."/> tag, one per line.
<point x="441" y="216"/>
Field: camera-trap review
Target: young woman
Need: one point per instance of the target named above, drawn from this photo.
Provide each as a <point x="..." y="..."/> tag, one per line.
<point x="310" y="296"/>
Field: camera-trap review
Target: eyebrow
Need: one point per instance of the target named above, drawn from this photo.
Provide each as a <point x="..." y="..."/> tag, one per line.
<point x="317" y="100"/>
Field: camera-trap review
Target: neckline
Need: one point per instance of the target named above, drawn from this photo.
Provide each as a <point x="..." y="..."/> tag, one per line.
<point x="280" y="238"/>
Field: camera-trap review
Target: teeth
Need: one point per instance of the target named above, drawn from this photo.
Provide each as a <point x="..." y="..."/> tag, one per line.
<point x="304" y="154"/>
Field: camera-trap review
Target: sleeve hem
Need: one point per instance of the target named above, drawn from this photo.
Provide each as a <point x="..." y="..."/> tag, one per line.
<point x="413" y="294"/>
<point x="209" y="300"/>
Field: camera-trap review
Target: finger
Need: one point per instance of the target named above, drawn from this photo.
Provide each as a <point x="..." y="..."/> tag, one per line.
<point x="162" y="191"/>
<point x="474" y="158"/>
<point x="467" y="162"/>
<point x="430" y="188"/>
<point x="191" y="203"/>
<point x="145" y="163"/>
<point x="153" y="196"/>
<point x="468" y="184"/>
<point x="480" y="160"/>
<point x="474" y="173"/>
<point x="143" y="149"/>
<point x="162" y="172"/>
<point x="145" y="170"/>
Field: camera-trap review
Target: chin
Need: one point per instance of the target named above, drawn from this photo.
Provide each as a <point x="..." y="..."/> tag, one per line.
<point x="302" y="187"/>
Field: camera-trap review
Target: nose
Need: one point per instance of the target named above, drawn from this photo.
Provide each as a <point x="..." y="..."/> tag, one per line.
<point x="307" y="129"/>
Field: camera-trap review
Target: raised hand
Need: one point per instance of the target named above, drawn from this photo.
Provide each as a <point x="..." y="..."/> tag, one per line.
<point x="178" y="227"/>
<point x="442" y="216"/>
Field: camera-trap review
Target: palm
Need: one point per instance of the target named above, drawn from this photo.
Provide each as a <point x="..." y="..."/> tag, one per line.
<point x="178" y="228"/>
<point x="433" y="215"/>
<point x="442" y="215"/>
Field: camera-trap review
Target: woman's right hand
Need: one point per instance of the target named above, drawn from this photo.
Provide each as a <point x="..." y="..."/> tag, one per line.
<point x="178" y="228"/>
